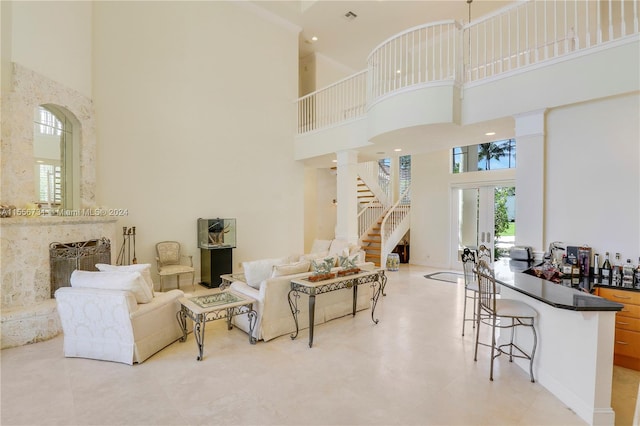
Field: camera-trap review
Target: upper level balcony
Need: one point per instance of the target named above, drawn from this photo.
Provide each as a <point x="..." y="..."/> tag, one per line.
<point x="533" y="55"/>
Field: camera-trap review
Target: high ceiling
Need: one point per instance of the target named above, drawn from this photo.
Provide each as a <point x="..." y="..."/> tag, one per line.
<point x="350" y="41"/>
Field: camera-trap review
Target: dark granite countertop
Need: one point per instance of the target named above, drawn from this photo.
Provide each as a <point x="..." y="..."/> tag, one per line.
<point x="556" y="295"/>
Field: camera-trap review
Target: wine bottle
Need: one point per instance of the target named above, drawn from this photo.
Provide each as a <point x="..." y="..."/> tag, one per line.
<point x="616" y="272"/>
<point x="606" y="270"/>
<point x="627" y="274"/>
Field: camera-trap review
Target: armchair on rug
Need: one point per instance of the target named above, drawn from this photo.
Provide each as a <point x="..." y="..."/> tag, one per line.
<point x="170" y="263"/>
<point x="115" y="316"/>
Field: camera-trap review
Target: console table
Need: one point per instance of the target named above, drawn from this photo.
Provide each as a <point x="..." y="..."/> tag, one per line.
<point x="376" y="279"/>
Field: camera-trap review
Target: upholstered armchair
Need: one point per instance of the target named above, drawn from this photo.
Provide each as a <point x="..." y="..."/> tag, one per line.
<point x="115" y="316"/>
<point x="172" y="263"/>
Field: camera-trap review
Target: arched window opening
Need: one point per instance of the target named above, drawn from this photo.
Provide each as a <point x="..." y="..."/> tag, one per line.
<point x="54" y="155"/>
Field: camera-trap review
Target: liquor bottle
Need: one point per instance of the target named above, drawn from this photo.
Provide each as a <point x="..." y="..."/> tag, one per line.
<point x="627" y="274"/>
<point x="606" y="270"/>
<point x="616" y="272"/>
<point x="637" y="274"/>
<point x="565" y="267"/>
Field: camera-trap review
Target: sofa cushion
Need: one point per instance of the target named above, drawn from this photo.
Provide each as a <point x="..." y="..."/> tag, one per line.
<point x="339" y="248"/>
<point x="126" y="281"/>
<point x="290" y="268"/>
<point x="143" y="268"/>
<point x="257" y="271"/>
<point x="320" y="246"/>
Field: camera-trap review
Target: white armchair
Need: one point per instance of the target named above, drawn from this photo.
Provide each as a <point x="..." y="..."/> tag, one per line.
<point x="113" y="316"/>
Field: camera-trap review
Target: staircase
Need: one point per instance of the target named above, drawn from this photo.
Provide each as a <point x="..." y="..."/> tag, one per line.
<point x="371" y="243"/>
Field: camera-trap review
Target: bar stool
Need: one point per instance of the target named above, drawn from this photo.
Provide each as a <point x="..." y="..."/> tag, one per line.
<point x="490" y="309"/>
<point x="470" y="286"/>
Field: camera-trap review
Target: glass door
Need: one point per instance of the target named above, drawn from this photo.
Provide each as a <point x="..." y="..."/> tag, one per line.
<point x="485" y="215"/>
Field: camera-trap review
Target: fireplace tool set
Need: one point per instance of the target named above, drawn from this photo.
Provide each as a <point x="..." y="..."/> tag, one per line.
<point x="128" y="236"/>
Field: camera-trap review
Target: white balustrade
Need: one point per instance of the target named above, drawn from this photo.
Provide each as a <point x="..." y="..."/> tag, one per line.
<point x="512" y="38"/>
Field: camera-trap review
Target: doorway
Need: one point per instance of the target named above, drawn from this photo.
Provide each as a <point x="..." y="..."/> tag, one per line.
<point x="485" y="214"/>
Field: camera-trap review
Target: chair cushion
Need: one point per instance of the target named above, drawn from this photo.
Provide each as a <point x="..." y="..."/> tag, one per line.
<point x="514" y="308"/>
<point x="257" y="271"/>
<point x="143" y="268"/>
<point x="126" y="281"/>
<point x="175" y="269"/>
<point x="290" y="268"/>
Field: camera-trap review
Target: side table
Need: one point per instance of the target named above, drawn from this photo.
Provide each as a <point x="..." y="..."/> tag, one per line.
<point x="211" y="307"/>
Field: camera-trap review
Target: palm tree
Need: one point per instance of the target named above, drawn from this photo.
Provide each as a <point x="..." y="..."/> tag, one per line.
<point x="489" y="151"/>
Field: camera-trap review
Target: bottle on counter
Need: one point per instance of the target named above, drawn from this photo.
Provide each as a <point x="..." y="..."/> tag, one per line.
<point x="616" y="272"/>
<point x="627" y="274"/>
<point x="606" y="270"/>
<point x="565" y="267"/>
<point x="637" y="275"/>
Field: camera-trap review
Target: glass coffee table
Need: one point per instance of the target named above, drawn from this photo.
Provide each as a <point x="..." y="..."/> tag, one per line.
<point x="211" y="307"/>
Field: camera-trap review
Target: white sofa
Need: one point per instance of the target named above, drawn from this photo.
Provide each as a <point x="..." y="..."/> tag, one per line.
<point x="116" y="316"/>
<point x="271" y="287"/>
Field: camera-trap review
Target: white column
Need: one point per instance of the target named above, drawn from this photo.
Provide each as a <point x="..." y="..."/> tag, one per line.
<point x="347" y="182"/>
<point x="530" y="140"/>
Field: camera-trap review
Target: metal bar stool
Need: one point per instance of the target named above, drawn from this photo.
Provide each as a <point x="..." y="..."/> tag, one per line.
<point x="490" y="309"/>
<point x="470" y="286"/>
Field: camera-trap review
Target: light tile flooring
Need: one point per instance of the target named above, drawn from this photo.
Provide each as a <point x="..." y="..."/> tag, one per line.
<point x="413" y="368"/>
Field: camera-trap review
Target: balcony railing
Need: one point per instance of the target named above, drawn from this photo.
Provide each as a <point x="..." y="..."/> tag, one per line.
<point x="512" y="38"/>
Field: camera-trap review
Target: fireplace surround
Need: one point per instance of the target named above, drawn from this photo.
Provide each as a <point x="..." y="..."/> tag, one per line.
<point x="28" y="311"/>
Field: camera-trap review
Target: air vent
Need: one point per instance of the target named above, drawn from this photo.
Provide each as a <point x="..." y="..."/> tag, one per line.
<point x="350" y="16"/>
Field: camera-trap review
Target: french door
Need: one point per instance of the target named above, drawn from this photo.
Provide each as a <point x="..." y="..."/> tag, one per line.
<point x="475" y="208"/>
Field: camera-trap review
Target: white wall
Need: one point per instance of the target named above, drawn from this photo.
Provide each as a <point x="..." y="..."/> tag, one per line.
<point x="591" y="184"/>
<point x="195" y="119"/>
<point x="592" y="181"/>
<point x="53" y="38"/>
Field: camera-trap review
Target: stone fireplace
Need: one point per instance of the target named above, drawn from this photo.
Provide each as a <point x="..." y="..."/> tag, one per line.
<point x="28" y="311"/>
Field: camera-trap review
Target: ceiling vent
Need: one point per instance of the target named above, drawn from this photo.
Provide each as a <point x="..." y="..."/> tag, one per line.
<point x="350" y="16"/>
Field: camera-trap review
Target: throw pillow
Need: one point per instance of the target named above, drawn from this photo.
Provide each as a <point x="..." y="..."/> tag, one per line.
<point x="290" y="269"/>
<point x="320" y="246"/>
<point x="257" y="271"/>
<point x="143" y="268"/>
<point x="338" y="248"/>
<point x="127" y="281"/>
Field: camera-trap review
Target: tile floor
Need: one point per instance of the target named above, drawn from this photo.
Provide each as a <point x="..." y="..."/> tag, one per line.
<point x="413" y="368"/>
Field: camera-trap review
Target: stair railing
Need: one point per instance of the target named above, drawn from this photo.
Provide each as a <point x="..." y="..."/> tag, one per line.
<point x="393" y="224"/>
<point x="368" y="216"/>
<point x="377" y="179"/>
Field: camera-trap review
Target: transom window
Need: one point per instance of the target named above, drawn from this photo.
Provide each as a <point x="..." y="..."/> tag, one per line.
<point x="485" y="156"/>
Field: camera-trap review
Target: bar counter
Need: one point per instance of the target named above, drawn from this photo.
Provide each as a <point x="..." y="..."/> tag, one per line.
<point x="557" y="295"/>
<point x="574" y="358"/>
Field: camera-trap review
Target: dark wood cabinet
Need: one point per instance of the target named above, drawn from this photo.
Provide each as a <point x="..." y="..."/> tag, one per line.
<point x="213" y="263"/>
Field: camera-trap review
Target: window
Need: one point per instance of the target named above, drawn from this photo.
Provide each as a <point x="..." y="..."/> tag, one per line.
<point x="53" y="144"/>
<point x="485" y="156"/>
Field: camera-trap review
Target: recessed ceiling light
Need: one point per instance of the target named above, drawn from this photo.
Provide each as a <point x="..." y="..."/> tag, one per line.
<point x="398" y="149"/>
<point x="334" y="161"/>
<point x="398" y="71"/>
<point x="490" y="133"/>
<point x="314" y="38"/>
